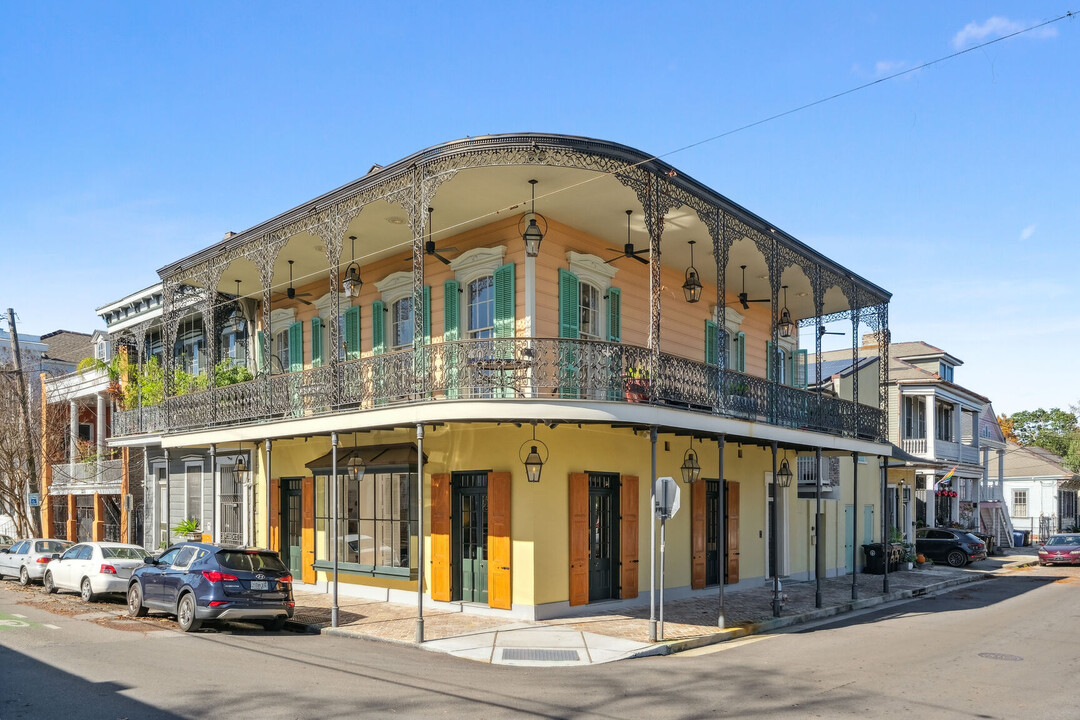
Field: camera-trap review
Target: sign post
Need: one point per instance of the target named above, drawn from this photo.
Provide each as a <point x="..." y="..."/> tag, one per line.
<point x="33" y="500"/>
<point x="667" y="504"/>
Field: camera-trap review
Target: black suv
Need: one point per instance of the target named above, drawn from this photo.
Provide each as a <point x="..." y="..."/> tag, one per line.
<point x="956" y="547"/>
<point x="204" y="581"/>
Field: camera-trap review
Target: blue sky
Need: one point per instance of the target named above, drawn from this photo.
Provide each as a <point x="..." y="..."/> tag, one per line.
<point x="132" y="134"/>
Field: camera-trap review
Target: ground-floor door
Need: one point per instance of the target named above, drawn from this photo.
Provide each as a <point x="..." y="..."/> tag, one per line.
<point x="603" y="536"/>
<point x="291" y="514"/>
<point x="469" y="521"/>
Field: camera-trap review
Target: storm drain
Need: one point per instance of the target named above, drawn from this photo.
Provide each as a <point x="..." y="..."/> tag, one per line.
<point x="1000" y="656"/>
<point x="540" y="655"/>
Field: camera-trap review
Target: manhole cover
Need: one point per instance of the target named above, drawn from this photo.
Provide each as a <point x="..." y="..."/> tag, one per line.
<point x="1000" y="656"/>
<point x="540" y="655"/>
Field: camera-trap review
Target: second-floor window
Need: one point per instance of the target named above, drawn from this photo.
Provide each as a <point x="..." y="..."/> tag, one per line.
<point x="589" y="308"/>
<point x="281" y="352"/>
<point x="480" y="308"/>
<point x="1020" y="503"/>
<point x="944" y="422"/>
<point x="945" y="371"/>
<point x="190" y="346"/>
<point x="233" y="345"/>
<point x="401" y="323"/>
<point x="914" y="418"/>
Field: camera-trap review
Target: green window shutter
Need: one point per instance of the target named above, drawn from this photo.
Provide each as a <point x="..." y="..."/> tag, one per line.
<point x="568" y="304"/>
<point x="378" y="327"/>
<point x="352" y="333"/>
<point x="711" y="332"/>
<point x="260" y="351"/>
<point x="504" y="301"/>
<point x="427" y="314"/>
<point x="296" y="347"/>
<point x="770" y="360"/>
<point x="800" y="376"/>
<point x="614" y="314"/>
<point x="316" y="342"/>
<point x="451" y="311"/>
<point x="740" y="354"/>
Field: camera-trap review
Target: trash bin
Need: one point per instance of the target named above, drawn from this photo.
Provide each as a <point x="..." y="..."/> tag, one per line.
<point x="988" y="540"/>
<point x="1018" y="538"/>
<point x="1027" y="538"/>
<point x="896" y="556"/>
<point x="874" y="559"/>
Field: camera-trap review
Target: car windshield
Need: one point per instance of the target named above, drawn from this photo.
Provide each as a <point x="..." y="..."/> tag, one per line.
<point x="123" y="553"/>
<point x="1064" y="540"/>
<point x="51" y="546"/>
<point x="251" y="561"/>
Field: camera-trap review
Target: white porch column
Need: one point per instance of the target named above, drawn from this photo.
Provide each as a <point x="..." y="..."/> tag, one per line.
<point x="530" y="297"/>
<point x="931" y="426"/>
<point x="73" y="431"/>
<point x="101" y="410"/>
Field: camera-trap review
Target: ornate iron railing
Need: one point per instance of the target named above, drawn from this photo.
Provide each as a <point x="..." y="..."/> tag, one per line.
<point x="517" y="368"/>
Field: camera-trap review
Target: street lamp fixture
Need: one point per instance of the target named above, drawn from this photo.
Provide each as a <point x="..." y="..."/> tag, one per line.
<point x="691" y="470"/>
<point x="533" y="233"/>
<point x="533" y="462"/>
<point x="692" y="287"/>
<point x="352" y="282"/>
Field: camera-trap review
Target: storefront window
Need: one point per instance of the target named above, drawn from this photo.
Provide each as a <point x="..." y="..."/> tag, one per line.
<point x="376" y="516"/>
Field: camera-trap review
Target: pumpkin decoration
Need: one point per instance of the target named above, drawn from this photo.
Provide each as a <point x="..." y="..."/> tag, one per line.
<point x="920" y="558"/>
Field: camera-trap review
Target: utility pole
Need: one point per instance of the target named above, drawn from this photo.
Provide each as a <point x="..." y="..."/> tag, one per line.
<point x="24" y="404"/>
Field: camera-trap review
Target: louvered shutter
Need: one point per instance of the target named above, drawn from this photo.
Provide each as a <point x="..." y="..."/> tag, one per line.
<point x="427" y="314"/>
<point x="352" y="333"/>
<point x="614" y="315"/>
<point x="316" y="342"/>
<point x="451" y="332"/>
<point x="296" y="347"/>
<point x="378" y="327"/>
<point x="568" y="304"/>
<point x="504" y="301"/>
<point x="711" y="332"/>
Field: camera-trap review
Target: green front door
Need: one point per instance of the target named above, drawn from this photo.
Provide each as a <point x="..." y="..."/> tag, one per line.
<point x="291" y="521"/>
<point x="469" y="524"/>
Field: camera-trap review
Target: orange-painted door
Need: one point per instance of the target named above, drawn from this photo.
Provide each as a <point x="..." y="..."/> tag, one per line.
<point x="499" y="590"/>
<point x="628" y="537"/>
<point x="274" y="541"/>
<point x="731" y="526"/>
<point x="697" y="535"/>
<point x="307" y="529"/>
<point x="440" y="537"/>
<point x="579" y="539"/>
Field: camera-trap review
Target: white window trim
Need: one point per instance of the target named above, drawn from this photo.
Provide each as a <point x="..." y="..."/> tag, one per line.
<point x="323" y="305"/>
<point x="476" y="263"/>
<point x="591" y="270"/>
<point x="395" y="286"/>
<point x="733" y="319"/>
<point x="282" y="317"/>
<point x="188" y="465"/>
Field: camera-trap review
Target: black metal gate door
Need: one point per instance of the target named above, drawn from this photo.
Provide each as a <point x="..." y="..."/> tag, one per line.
<point x="712" y="525"/>
<point x="603" y="536"/>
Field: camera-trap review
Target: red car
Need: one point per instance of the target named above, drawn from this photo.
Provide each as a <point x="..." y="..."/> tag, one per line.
<point x="1064" y="548"/>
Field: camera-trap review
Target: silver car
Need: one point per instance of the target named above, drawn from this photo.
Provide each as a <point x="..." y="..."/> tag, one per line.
<point x="27" y="559"/>
<point x="93" y="568"/>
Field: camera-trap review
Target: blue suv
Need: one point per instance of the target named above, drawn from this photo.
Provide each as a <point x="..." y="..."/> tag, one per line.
<point x="204" y="581"/>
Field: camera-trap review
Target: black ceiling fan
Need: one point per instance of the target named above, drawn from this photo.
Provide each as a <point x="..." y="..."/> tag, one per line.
<point x="291" y="293"/>
<point x="742" y="296"/>
<point x="429" y="245"/>
<point x="628" y="248"/>
<point x="822" y="331"/>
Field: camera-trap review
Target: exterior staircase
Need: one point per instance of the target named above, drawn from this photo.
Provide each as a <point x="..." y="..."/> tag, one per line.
<point x="995" y="521"/>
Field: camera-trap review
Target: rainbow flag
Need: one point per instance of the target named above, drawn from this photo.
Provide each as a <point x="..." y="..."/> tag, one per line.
<point x="947" y="477"/>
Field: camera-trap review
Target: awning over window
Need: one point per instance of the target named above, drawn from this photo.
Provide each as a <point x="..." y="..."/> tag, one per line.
<point x="401" y="454"/>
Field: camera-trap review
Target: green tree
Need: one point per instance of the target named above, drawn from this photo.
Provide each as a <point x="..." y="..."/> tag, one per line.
<point x="1055" y="430"/>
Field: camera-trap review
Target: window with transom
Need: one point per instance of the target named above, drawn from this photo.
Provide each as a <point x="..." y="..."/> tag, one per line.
<point x="480" y="307"/>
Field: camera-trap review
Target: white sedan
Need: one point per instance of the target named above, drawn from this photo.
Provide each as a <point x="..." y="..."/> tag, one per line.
<point x="94" y="568"/>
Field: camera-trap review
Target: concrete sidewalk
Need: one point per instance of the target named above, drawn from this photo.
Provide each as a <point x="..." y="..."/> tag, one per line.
<point x="605" y="636"/>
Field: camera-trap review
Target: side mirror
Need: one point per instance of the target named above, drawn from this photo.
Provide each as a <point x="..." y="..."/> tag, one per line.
<point x="56" y="556"/>
<point x="149" y="561"/>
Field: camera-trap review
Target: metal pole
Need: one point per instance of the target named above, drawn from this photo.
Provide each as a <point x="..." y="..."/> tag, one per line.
<point x="721" y="536"/>
<point x="269" y="520"/>
<point x="24" y="405"/>
<point x="773" y="550"/>
<point x="819" y="552"/>
<point x="334" y="527"/>
<point x="213" y="492"/>
<point x="149" y="491"/>
<point x="168" y="500"/>
<point x="652" y="540"/>
<point x="663" y="536"/>
<point x="854" y="526"/>
<point x="885" y="541"/>
<point x="420" y="533"/>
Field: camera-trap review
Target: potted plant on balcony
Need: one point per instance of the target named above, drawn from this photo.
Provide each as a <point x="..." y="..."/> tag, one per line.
<point x="636" y="384"/>
<point x="738" y="397"/>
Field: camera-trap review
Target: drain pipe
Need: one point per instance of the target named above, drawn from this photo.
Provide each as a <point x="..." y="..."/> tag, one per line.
<point x="652" y="539"/>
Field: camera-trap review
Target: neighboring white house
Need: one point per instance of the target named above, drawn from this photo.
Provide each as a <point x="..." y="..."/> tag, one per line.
<point x="1040" y="492"/>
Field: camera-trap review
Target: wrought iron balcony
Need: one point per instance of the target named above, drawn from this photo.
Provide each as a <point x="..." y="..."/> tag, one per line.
<point x="551" y="369"/>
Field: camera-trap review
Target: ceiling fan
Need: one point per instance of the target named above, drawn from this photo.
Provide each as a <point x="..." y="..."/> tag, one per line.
<point x="742" y="296"/>
<point x="429" y="245"/>
<point x="291" y="293"/>
<point x="628" y="248"/>
<point x="822" y="331"/>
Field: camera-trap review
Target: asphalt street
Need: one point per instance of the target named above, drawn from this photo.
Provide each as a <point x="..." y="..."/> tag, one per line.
<point x="985" y="650"/>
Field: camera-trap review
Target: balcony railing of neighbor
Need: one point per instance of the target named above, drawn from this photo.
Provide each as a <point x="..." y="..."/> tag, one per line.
<point x="513" y="368"/>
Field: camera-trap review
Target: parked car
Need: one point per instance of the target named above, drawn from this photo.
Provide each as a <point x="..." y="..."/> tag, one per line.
<point x="204" y="581"/>
<point x="956" y="547"/>
<point x="27" y="559"/>
<point x="93" y="568"/>
<point x="6" y="541"/>
<point x="1061" y="548"/>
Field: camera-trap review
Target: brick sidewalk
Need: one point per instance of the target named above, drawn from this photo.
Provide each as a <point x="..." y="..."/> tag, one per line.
<point x="683" y="619"/>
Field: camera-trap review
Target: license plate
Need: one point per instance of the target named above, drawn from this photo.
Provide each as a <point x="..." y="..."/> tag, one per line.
<point x="260" y="585"/>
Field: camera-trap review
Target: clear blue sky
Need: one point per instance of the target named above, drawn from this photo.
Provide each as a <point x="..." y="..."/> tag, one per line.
<point x="132" y="134"/>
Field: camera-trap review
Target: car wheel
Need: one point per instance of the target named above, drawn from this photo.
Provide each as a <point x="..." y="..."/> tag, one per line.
<point x="185" y="613"/>
<point x="47" y="582"/>
<point x="957" y="558"/>
<point x="276" y="624"/>
<point x="24" y="577"/>
<point x="86" y="590"/>
<point x="134" y="599"/>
